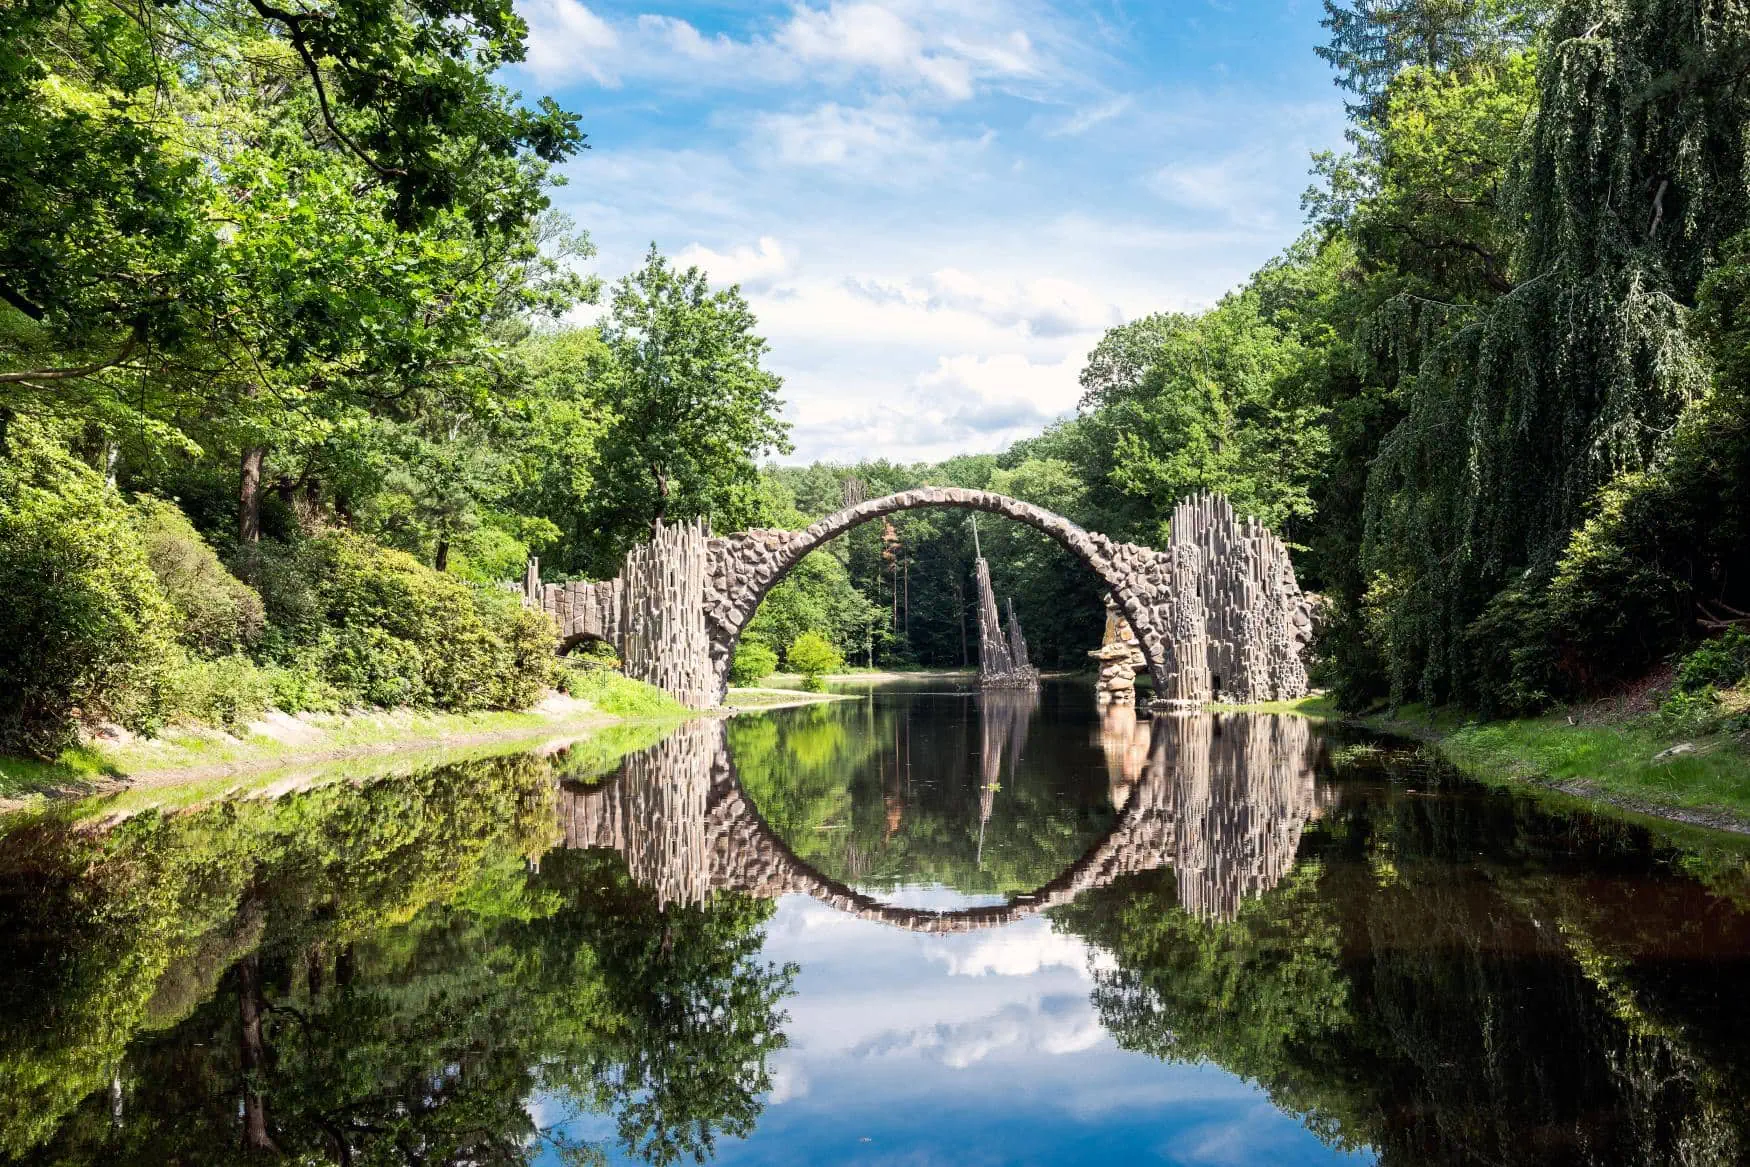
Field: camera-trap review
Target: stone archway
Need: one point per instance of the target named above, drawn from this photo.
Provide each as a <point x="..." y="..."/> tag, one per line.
<point x="745" y="567"/>
<point x="1221" y="600"/>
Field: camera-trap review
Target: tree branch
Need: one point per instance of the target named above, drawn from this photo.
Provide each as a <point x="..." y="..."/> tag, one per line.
<point x="294" y="23"/>
<point x="76" y="371"/>
<point x="20" y="303"/>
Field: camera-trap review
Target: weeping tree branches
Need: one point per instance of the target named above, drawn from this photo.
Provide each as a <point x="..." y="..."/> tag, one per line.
<point x="1519" y="411"/>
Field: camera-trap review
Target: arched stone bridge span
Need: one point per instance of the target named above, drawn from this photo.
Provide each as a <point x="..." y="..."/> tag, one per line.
<point x="1224" y="809"/>
<point x="1219" y="609"/>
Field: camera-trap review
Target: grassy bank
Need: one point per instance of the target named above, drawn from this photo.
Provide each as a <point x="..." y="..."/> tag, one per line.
<point x="1628" y="762"/>
<point x="598" y="711"/>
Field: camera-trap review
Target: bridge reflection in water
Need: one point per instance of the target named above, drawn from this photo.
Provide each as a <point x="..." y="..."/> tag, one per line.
<point x="1219" y="798"/>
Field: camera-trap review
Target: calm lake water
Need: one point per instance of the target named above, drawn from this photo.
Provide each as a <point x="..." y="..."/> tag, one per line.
<point x="922" y="927"/>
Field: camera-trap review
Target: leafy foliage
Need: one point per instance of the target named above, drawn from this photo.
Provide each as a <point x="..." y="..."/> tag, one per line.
<point x="813" y="655"/>
<point x="216" y="613"/>
<point x="85" y="632"/>
<point x="754" y="662"/>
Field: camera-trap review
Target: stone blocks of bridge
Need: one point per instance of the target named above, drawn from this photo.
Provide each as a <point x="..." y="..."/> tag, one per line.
<point x="1218" y="611"/>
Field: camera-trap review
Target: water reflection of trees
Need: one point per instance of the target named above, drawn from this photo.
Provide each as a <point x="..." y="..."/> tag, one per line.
<point x="1461" y="979"/>
<point x="906" y="798"/>
<point x="367" y="973"/>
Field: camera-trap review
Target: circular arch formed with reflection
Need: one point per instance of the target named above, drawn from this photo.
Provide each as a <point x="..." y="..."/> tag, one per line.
<point x="692" y="778"/>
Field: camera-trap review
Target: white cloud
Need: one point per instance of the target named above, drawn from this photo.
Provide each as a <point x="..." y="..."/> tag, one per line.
<point x="883" y="140"/>
<point x="1019" y="952"/>
<point x="566" y="41"/>
<point x="755" y="268"/>
<point x="1084" y="120"/>
<point x="940" y="51"/>
<point x="1053" y="1026"/>
<point x="1045" y="307"/>
<point x="875" y="37"/>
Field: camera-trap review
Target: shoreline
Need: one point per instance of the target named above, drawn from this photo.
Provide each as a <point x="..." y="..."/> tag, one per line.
<point x="276" y="743"/>
<point x="1606" y="765"/>
<point x="279" y="744"/>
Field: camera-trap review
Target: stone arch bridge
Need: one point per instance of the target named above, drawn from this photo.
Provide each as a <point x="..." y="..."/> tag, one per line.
<point x="1218" y="611"/>
<point x="1221" y="799"/>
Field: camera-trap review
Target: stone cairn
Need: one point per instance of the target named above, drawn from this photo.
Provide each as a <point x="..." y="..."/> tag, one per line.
<point x="1120" y="658"/>
<point x="1002" y="657"/>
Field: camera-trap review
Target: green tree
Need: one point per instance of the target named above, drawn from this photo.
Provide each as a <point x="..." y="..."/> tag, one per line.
<point x="694" y="409"/>
<point x="1511" y="427"/>
<point x="813" y="655"/>
<point x="1372" y="41"/>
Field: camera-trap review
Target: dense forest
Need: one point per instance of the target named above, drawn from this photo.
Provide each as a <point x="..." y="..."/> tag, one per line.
<point x="287" y="383"/>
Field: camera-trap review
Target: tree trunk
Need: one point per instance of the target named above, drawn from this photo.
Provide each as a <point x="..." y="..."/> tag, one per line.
<point x="442" y="560"/>
<point x="661" y="497"/>
<point x="249" y="495"/>
<point x="253" y="1052"/>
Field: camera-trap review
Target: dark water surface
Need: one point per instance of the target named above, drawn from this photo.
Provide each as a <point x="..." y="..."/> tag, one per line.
<point x="923" y="927"/>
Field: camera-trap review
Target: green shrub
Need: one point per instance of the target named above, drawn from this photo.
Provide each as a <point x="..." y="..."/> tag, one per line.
<point x="385" y="629"/>
<point x="85" y="632"/>
<point x="616" y="694"/>
<point x="813" y="655"/>
<point x="217" y="613"/>
<point x="299" y="688"/>
<point x="753" y="663"/>
<point x="1723" y="662"/>
<point x="224" y="691"/>
<point x="1684" y="714"/>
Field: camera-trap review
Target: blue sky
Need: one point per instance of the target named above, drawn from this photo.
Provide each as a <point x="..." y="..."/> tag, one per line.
<point x="935" y="207"/>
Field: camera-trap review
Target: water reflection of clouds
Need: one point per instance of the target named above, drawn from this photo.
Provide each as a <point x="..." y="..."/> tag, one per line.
<point x="1050" y="1025"/>
<point x="981" y="1048"/>
<point x="1020" y="950"/>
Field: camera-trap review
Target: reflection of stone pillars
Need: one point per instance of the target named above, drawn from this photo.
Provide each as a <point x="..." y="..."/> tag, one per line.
<point x="1003" y="717"/>
<point x="1120" y="658"/>
<point x="1241" y="788"/>
<point x="655" y="813"/>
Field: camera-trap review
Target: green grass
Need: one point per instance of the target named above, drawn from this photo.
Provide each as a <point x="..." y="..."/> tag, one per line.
<point x="1613" y="761"/>
<point x="620" y="696"/>
<point x="80" y="766"/>
<point x="1615" y="758"/>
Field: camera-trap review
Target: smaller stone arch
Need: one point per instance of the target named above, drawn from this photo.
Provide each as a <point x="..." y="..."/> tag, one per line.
<point x="571" y="643"/>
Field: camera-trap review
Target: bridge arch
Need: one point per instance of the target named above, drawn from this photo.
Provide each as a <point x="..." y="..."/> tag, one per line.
<point x="746" y="567"/>
<point x="1222" y="799"/>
